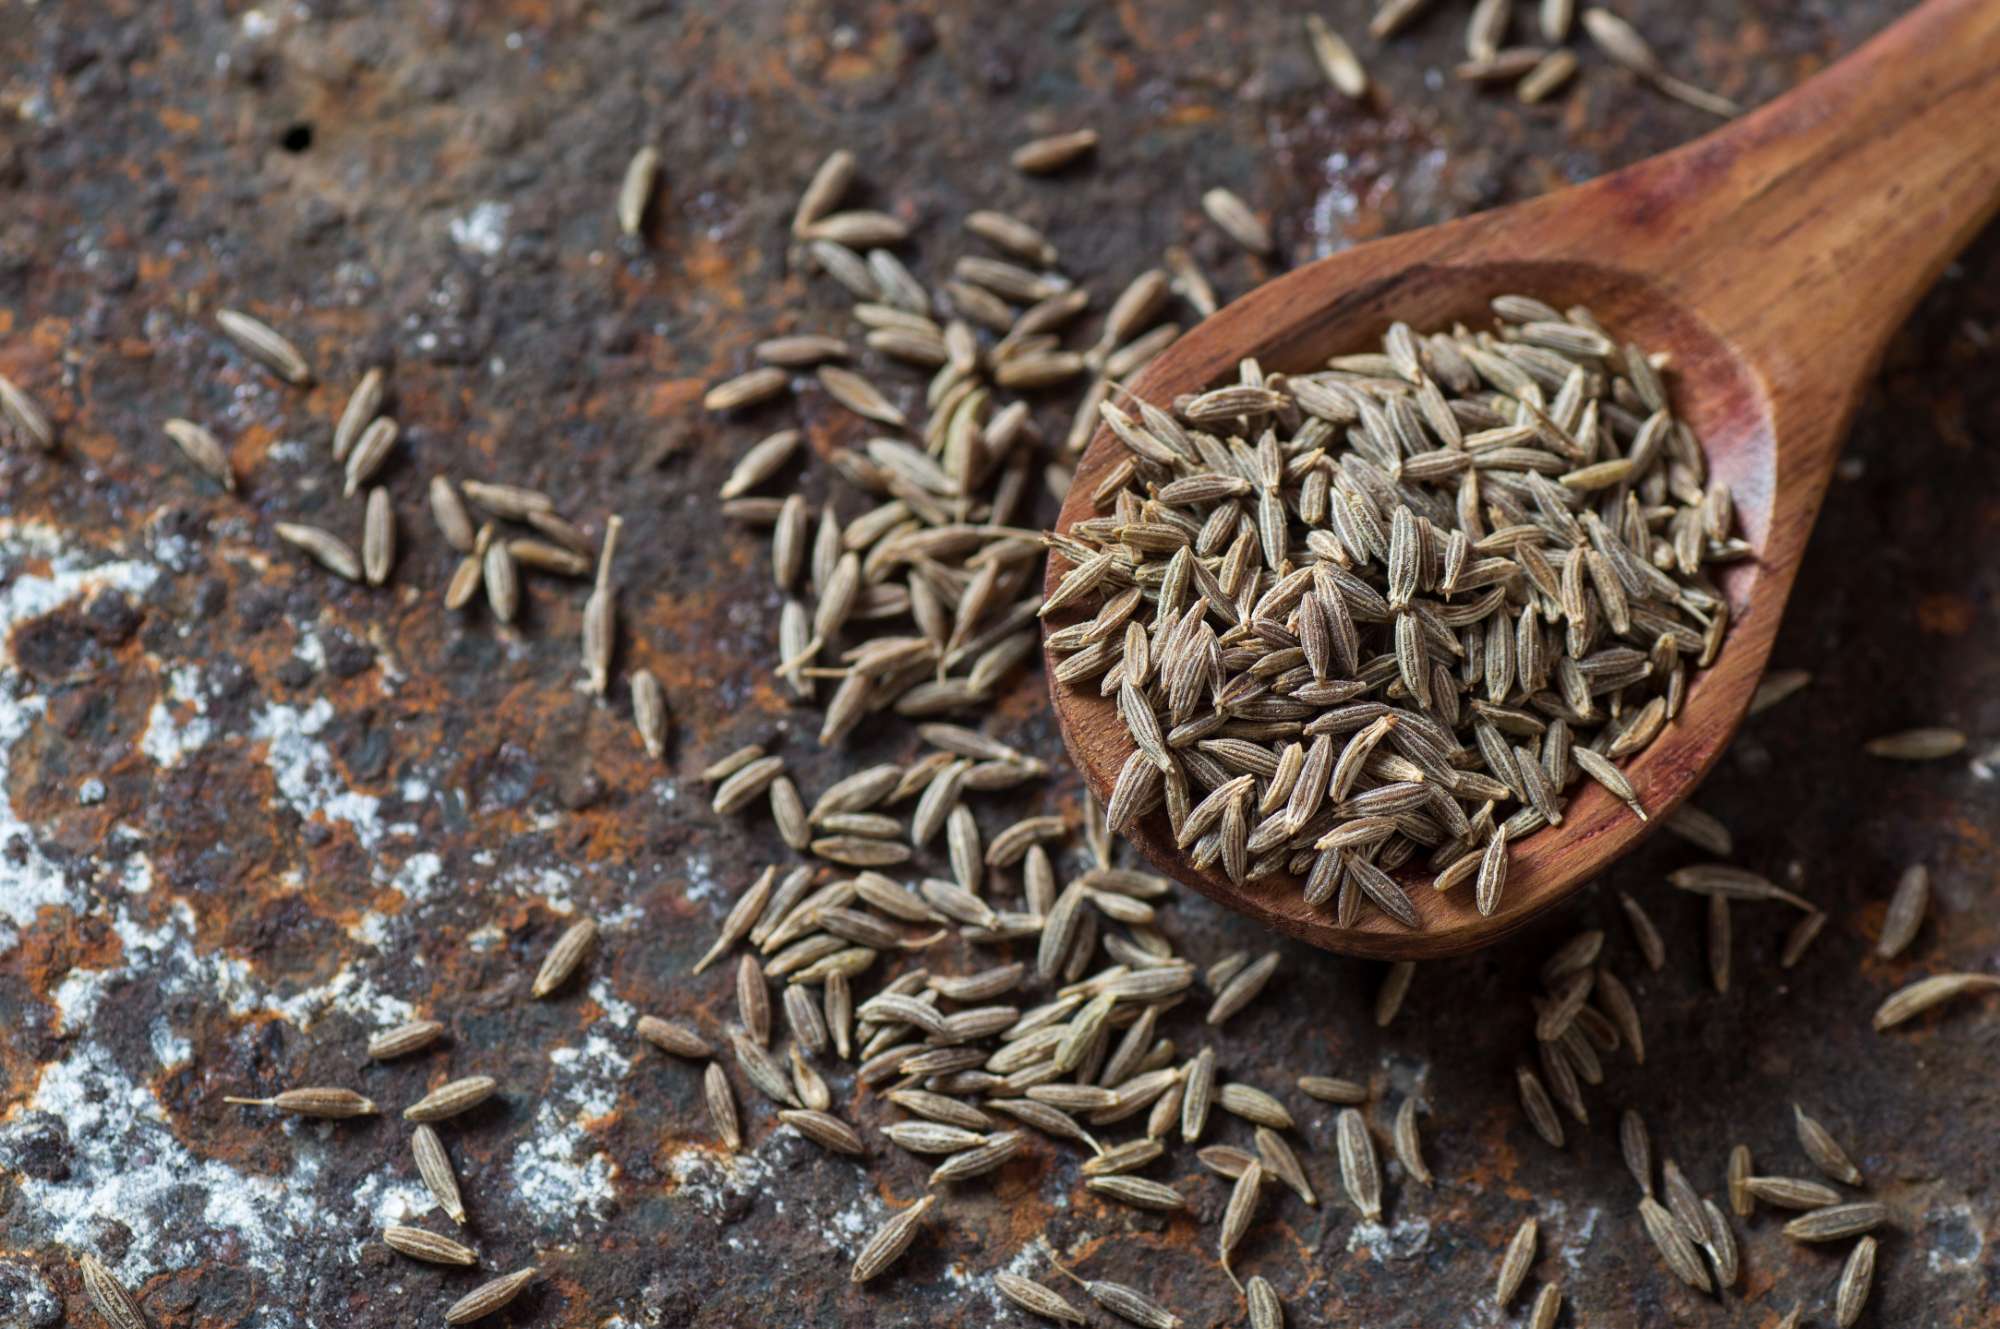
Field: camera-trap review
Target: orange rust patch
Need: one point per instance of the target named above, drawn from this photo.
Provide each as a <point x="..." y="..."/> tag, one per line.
<point x="1945" y="614"/>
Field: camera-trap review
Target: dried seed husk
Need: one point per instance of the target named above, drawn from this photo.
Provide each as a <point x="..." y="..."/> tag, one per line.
<point x="490" y="1297"/>
<point x="1409" y="1144"/>
<point x="1647" y="936"/>
<point x="1052" y="152"/>
<point x="120" y="1309"/>
<point x="977" y="1162"/>
<point x="824" y="1130"/>
<point x="411" y="1036"/>
<point x="1905" y="915"/>
<point x="1920" y="996"/>
<point x="1548" y="1304"/>
<point x="1636" y="1145"/>
<point x="1138" y="1192"/>
<point x="1265" y="1310"/>
<point x="1917" y="744"/>
<point x="1279" y="1161"/>
<point x="1838" y="1222"/>
<point x="334" y="1104"/>
<point x="1331" y="1090"/>
<point x="1680" y="1255"/>
<point x="434" y="1166"/>
<point x="823" y="192"/>
<point x="1857" y="1277"/>
<point x="502" y="579"/>
<point x="1358" y="1170"/>
<point x="203" y="449"/>
<point x="363" y="405"/>
<point x="762" y="1072"/>
<point x="378" y="537"/>
<point x="449" y="1100"/>
<point x="1535" y="1102"/>
<point x="1800" y="1193"/>
<point x="1237" y="221"/>
<point x="649" y="712"/>
<point x="1824" y="1151"/>
<point x="420" y="1244"/>
<point x="721" y="1101"/>
<point x="27" y="419"/>
<point x="370" y="453"/>
<point x="1241" y="1209"/>
<point x="1253" y="1105"/>
<point x="565" y="957"/>
<point x="1514" y="1264"/>
<point x="264" y="343"/>
<point x="747" y="389"/>
<point x="635" y="190"/>
<point x="514" y="502"/>
<point x="1032" y="1296"/>
<point x="1742" y="1201"/>
<point x="1336" y="58"/>
<point x="328" y="550"/>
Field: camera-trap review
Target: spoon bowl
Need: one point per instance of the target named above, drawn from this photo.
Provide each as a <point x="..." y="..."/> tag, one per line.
<point x="1770" y="261"/>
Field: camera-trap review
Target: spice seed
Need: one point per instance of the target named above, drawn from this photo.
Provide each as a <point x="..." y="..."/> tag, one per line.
<point x="490" y="1297"/>
<point x="1266" y="1311"/>
<point x="1032" y="1296"/>
<point x="721" y="1101"/>
<point x="635" y="192"/>
<point x="363" y="405"/>
<point x="1907" y="1002"/>
<point x="1358" y="1171"/>
<point x="434" y="1166"/>
<point x="1825" y="1153"/>
<point x="1837" y="1222"/>
<point x="1514" y="1264"/>
<point x="1905" y="916"/>
<point x="565" y="957"/>
<point x="264" y="343"/>
<point x="378" y="537"/>
<point x="19" y="410"/>
<point x="327" y="549"/>
<point x="1236" y="219"/>
<point x="119" y="1307"/>
<point x="1917" y="744"/>
<point x="1548" y="1304"/>
<point x="419" y="1244"/>
<point x="414" y="1036"/>
<point x="334" y="1104"/>
<point x="1856" y="1280"/>
<point x="203" y="449"/>
<point x="1052" y="153"/>
<point x="448" y="1100"/>
<point x="891" y="1241"/>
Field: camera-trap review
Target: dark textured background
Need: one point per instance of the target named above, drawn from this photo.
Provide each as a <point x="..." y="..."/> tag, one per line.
<point x="251" y="814"/>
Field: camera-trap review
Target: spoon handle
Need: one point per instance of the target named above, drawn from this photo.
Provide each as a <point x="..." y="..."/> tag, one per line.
<point x="1809" y="228"/>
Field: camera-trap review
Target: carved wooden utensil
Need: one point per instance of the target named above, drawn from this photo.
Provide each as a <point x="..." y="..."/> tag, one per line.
<point x="1772" y="259"/>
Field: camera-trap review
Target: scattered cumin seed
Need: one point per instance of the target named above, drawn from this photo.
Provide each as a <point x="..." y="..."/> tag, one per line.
<point x="264" y="343"/>
<point x="1052" y="152"/>
<point x="1916" y="744"/>
<point x="487" y="1298"/>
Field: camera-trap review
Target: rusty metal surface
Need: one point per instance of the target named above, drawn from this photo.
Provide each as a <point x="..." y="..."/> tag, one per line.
<point x="250" y="814"/>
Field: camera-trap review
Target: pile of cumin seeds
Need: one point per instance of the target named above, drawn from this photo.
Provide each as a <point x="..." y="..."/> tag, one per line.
<point x="1389" y="611"/>
<point x="968" y="975"/>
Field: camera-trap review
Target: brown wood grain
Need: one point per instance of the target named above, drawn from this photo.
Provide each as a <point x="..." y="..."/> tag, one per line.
<point x="1772" y="259"/>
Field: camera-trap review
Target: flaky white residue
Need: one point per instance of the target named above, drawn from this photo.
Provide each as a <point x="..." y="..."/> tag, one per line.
<point x="32" y="881"/>
<point x="308" y="777"/>
<point x="559" y="1172"/>
<point x="168" y="738"/>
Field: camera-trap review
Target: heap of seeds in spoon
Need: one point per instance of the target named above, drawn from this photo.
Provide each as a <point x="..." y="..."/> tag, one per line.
<point x="1389" y="611"/>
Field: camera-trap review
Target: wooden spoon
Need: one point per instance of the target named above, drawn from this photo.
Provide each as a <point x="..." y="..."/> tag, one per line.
<point x="1771" y="259"/>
